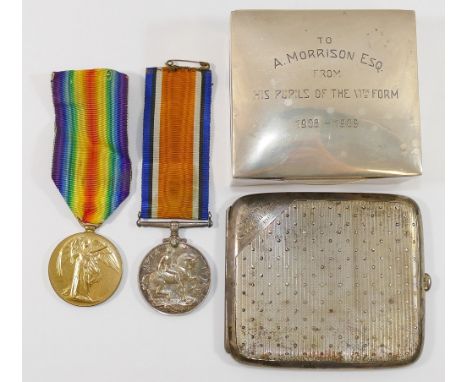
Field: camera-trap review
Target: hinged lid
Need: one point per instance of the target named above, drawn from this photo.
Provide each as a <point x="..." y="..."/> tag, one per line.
<point x="321" y="280"/>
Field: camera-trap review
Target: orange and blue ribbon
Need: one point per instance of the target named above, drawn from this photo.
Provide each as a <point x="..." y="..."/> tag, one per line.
<point x="176" y="143"/>
<point x="91" y="166"/>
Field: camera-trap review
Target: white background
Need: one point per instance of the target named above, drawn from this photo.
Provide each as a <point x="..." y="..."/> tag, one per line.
<point x="124" y="339"/>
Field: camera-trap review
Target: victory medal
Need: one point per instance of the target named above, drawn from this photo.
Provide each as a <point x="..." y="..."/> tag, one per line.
<point x="92" y="170"/>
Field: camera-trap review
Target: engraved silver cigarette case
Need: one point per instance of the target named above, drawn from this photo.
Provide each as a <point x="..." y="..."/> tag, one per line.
<point x="324" y="96"/>
<point x="325" y="280"/>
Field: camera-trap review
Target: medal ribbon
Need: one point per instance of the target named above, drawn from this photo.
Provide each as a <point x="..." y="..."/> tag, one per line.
<point x="91" y="166"/>
<point x="176" y="143"/>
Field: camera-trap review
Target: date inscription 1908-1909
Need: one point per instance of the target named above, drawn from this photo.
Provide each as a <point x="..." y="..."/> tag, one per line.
<point x="310" y="123"/>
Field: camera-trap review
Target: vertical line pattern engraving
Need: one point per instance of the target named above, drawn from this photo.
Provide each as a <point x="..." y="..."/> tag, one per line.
<point x="331" y="281"/>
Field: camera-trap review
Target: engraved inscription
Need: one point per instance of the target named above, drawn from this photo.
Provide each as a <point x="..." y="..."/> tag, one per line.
<point x="336" y="89"/>
<point x="271" y="94"/>
<point x="310" y="123"/>
<point x="327" y="53"/>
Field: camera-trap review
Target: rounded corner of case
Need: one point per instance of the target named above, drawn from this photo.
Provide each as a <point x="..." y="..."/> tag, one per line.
<point x="411" y="202"/>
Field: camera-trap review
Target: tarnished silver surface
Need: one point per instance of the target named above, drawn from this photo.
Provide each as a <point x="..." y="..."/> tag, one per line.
<point x="174" y="277"/>
<point x="325" y="280"/>
<point x="324" y="96"/>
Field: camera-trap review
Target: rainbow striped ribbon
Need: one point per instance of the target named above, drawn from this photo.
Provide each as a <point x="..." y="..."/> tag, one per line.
<point x="91" y="165"/>
<point x="176" y="143"/>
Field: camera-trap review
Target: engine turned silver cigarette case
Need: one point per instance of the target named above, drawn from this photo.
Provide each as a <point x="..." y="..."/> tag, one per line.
<point x="325" y="280"/>
<point x="324" y="96"/>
